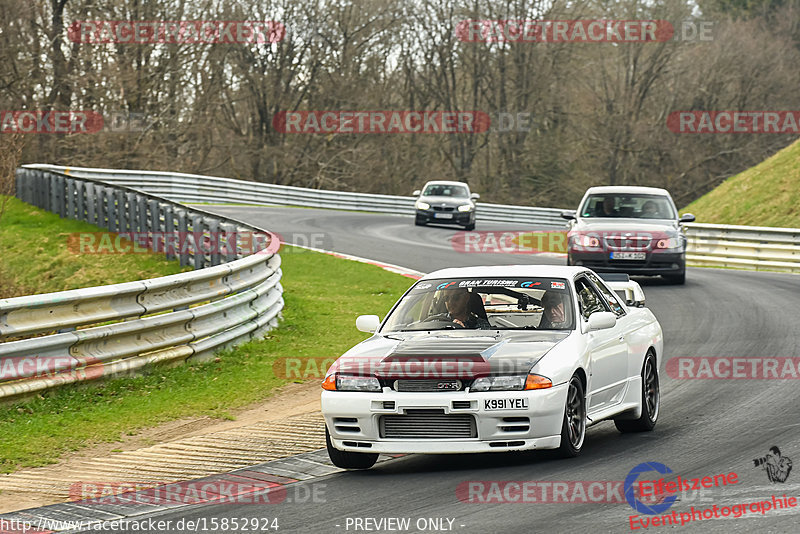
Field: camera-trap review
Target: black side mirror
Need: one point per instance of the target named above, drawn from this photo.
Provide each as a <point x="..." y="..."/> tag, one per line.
<point x="687" y="217"/>
<point x="568" y="215"/>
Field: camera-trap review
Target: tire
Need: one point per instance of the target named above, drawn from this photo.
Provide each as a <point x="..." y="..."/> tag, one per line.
<point x="418" y="222"/>
<point x="678" y="279"/>
<point x="651" y="400"/>
<point x="573" y="426"/>
<point x="349" y="460"/>
<point x="469" y="227"/>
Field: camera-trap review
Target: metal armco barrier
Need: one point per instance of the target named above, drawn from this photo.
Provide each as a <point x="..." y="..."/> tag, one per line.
<point x="744" y="247"/>
<point x="234" y="294"/>
<point x="711" y="245"/>
<point x="194" y="189"/>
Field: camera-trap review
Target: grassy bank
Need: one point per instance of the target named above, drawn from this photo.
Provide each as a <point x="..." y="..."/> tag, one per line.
<point x="765" y="195"/>
<point x="36" y="257"/>
<point x="323" y="295"/>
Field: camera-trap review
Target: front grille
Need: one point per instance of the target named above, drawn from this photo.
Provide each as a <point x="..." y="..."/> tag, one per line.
<point x="429" y="384"/>
<point x="428" y="424"/>
<point x="462" y="405"/>
<point x="619" y="242"/>
<point x="443" y="208"/>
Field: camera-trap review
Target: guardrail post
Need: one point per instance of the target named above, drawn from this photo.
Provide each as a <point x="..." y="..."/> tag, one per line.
<point x="231" y="241"/>
<point x="109" y="221"/>
<point x="197" y="241"/>
<point x="183" y="237"/>
<point x="71" y="202"/>
<point x="119" y="210"/>
<point x="169" y="232"/>
<point x="214" y="242"/>
<point x="153" y="223"/>
<point x="53" y="197"/>
<point x="127" y="212"/>
<point x="80" y="189"/>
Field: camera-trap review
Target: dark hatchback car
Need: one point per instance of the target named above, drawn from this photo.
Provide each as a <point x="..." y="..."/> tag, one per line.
<point x="634" y="230"/>
<point x="445" y="202"/>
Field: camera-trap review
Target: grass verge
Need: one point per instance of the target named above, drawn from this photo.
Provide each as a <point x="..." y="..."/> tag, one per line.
<point x="323" y="295"/>
<point x="37" y="259"/>
<point x="765" y="195"/>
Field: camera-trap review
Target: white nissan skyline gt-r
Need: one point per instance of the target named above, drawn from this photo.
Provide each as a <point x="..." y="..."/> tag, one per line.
<point x="494" y="359"/>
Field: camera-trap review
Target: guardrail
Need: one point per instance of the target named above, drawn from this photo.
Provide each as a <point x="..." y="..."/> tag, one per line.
<point x="744" y="247"/>
<point x="197" y="189"/>
<point x="232" y="296"/>
<point x="711" y="245"/>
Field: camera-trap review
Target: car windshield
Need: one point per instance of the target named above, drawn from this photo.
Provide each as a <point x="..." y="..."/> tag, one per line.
<point x="444" y="190"/>
<point x="628" y="206"/>
<point x="484" y="303"/>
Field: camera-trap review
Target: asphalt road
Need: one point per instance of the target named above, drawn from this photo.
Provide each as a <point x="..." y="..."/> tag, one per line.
<point x="706" y="427"/>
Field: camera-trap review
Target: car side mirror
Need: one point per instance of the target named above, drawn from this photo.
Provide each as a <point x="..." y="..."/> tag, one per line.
<point x="568" y="215"/>
<point x="416" y="193"/>
<point x="474" y="196"/>
<point x="601" y="321"/>
<point x="368" y="323"/>
<point x="687" y="217"/>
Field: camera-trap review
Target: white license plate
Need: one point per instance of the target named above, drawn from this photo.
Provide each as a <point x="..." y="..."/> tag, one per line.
<point x="628" y="255"/>
<point x="443" y="215"/>
<point x="505" y="404"/>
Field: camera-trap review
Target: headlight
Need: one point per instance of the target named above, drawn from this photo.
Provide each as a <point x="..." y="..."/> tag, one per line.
<point x="423" y="205"/>
<point x="337" y="382"/>
<point x="465" y="207"/>
<point x="499" y="383"/>
<point x="511" y="383"/>
<point x="584" y="240"/>
<point x="670" y="242"/>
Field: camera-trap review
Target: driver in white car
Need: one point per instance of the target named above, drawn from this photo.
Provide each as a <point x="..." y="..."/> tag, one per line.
<point x="457" y="302"/>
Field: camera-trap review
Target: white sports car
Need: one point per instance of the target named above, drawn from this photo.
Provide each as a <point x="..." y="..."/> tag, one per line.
<point x="493" y="359"/>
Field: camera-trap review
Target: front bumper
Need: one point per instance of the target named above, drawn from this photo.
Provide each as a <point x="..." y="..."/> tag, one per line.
<point x="353" y="420"/>
<point x="655" y="263"/>
<point x="458" y="217"/>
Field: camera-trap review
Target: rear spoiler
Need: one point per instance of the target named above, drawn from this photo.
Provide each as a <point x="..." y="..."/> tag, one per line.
<point x="623" y="285"/>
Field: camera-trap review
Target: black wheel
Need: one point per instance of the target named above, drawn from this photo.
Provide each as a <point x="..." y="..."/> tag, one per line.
<point x="419" y="222"/>
<point x="651" y="400"/>
<point x="349" y="460"/>
<point x="469" y="227"/>
<point x="678" y="279"/>
<point x="573" y="428"/>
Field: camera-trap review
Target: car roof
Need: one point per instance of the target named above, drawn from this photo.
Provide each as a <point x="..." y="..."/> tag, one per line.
<point x="627" y="189"/>
<point x="445" y="182"/>
<point x="500" y="271"/>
